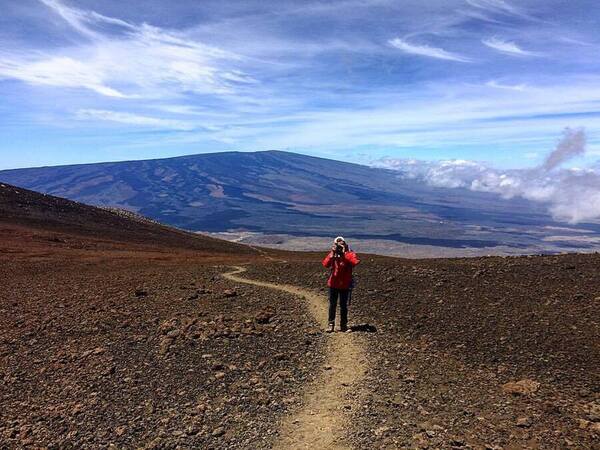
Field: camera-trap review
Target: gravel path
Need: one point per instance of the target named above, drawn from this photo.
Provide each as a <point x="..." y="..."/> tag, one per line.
<point x="322" y="420"/>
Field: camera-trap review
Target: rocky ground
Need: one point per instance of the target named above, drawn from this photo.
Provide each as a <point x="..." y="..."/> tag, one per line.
<point x="117" y="333"/>
<point x="145" y="354"/>
<point x="474" y="353"/>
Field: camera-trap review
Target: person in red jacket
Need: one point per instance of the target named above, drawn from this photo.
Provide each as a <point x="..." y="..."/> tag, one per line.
<point x="341" y="261"/>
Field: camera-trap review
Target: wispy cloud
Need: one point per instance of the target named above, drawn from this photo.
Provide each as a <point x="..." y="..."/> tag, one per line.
<point x="498" y="7"/>
<point x="138" y="61"/>
<point x="134" y="119"/>
<point x="510" y="87"/>
<point x="248" y="75"/>
<point x="81" y="20"/>
<point x="58" y="71"/>
<point x="507" y="47"/>
<point x="426" y="50"/>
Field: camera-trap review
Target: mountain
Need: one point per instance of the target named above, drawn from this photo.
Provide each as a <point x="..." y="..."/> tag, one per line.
<point x="280" y="192"/>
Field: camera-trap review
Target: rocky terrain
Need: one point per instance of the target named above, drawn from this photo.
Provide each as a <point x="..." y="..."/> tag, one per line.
<point x="119" y="333"/>
<point x="116" y="332"/>
<point x="474" y="353"/>
<point x="146" y="354"/>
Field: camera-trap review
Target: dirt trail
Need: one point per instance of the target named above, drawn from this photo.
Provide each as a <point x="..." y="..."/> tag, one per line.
<point x="328" y="402"/>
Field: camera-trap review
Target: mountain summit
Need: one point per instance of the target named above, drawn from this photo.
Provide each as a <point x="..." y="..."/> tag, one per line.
<point x="282" y="192"/>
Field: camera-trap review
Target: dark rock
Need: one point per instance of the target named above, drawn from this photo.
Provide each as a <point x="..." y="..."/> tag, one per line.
<point x="264" y="317"/>
<point x="219" y="431"/>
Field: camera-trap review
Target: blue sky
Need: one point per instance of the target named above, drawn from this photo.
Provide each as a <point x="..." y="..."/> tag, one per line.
<point x="487" y="80"/>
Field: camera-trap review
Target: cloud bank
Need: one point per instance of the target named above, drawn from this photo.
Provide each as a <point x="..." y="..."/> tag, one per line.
<point x="571" y="194"/>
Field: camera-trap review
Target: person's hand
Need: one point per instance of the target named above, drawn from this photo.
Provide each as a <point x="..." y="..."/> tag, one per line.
<point x="333" y="248"/>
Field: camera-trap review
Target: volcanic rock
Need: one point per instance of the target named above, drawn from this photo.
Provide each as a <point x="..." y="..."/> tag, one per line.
<point x="227" y="293"/>
<point x="521" y="387"/>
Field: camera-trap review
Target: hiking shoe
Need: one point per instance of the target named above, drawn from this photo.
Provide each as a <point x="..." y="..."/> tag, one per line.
<point x="330" y="328"/>
<point x="344" y="329"/>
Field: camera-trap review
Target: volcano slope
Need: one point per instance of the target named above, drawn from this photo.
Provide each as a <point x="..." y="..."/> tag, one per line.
<point x="473" y="353"/>
<point x="121" y="332"/>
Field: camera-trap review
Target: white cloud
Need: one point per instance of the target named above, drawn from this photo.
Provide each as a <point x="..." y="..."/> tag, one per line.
<point x="131" y="61"/>
<point x="426" y="50"/>
<point x="59" y="71"/>
<point x="133" y="119"/>
<point x="506" y="47"/>
<point x="80" y="20"/>
<point x="498" y="7"/>
<point x="510" y="87"/>
<point x="571" y="194"/>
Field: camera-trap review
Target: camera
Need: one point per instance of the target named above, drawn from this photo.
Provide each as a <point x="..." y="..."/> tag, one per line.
<point x="339" y="249"/>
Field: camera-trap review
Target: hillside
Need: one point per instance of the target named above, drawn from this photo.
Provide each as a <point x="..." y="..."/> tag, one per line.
<point x="116" y="331"/>
<point x="279" y="192"/>
<point x="61" y="220"/>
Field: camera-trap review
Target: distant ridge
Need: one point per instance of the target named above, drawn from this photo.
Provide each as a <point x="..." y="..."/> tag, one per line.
<point x="282" y="192"/>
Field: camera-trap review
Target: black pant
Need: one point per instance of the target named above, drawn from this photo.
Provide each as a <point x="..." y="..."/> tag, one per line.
<point x="333" y="298"/>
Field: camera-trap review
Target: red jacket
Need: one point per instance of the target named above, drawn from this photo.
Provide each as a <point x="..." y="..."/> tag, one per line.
<point x="341" y="269"/>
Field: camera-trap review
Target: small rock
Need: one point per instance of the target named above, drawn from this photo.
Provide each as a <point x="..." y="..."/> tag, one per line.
<point x="457" y="442"/>
<point x="141" y="292"/>
<point x="263" y="317"/>
<point x="110" y="370"/>
<point x="165" y="344"/>
<point x="583" y="424"/>
<point x="191" y="430"/>
<point x="521" y="387"/>
<point x="229" y="293"/>
<point x="419" y="440"/>
<point x="219" y="431"/>
<point x="593" y="411"/>
<point x="381" y="431"/>
<point x="524" y="422"/>
<point x="173" y="334"/>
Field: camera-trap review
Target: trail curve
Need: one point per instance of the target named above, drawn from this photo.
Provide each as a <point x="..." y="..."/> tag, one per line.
<point x="322" y="421"/>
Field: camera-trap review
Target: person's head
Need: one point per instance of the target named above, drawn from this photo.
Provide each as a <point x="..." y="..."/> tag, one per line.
<point x="340" y="241"/>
